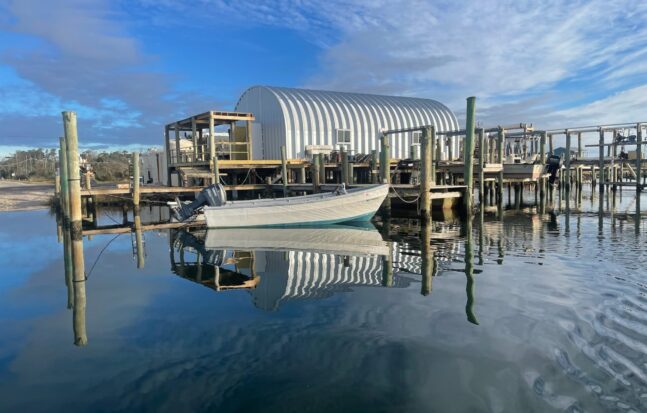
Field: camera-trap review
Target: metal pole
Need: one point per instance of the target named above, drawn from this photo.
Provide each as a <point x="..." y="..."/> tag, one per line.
<point x="284" y="171"/>
<point x="76" y="234"/>
<point x="469" y="154"/>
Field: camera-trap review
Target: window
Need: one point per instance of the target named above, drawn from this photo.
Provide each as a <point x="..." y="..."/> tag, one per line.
<point x="343" y="136"/>
<point x="415" y="137"/>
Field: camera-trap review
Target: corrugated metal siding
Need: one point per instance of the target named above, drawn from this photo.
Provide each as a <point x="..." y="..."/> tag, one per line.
<point x="297" y="118"/>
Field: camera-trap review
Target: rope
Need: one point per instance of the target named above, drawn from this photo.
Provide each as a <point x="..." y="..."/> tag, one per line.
<point x="99" y="256"/>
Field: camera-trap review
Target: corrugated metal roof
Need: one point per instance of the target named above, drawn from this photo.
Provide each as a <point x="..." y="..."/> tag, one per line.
<point x="297" y="118"/>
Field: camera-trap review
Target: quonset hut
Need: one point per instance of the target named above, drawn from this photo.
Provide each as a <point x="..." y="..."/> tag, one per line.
<point x="313" y="121"/>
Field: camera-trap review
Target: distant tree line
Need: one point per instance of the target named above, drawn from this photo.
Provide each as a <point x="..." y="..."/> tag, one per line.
<point x="42" y="164"/>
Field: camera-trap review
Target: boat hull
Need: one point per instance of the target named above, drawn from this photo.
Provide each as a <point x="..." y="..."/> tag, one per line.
<point x="320" y="209"/>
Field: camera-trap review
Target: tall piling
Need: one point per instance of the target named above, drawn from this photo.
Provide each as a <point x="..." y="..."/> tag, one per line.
<point x="76" y="234"/>
<point x="344" y="165"/>
<point x="315" y="173"/>
<point x="639" y="137"/>
<point x="139" y="238"/>
<point x="481" y="168"/>
<point x="500" y="142"/>
<point x="284" y="170"/>
<point x="469" y="154"/>
<point x="426" y="158"/>
<point x="65" y="212"/>
<point x="213" y="157"/>
<point x="601" y="160"/>
<point x="322" y="169"/>
<point x="385" y="166"/>
<point x="136" y="179"/>
<point x="373" y="167"/>
<point x="567" y="163"/>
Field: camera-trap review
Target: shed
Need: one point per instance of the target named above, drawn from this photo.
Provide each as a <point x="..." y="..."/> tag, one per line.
<point x="309" y="121"/>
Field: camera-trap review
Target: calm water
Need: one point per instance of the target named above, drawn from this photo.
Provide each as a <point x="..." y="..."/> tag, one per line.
<point x="546" y="313"/>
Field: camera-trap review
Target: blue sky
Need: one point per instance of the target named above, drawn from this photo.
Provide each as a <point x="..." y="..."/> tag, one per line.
<point x="129" y="66"/>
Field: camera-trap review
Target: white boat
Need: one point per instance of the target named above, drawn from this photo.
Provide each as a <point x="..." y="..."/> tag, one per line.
<point x="358" y="204"/>
<point x="523" y="170"/>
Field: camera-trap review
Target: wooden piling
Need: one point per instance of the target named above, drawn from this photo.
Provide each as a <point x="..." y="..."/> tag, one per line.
<point x="344" y="165"/>
<point x="567" y="163"/>
<point x="213" y="157"/>
<point x="639" y="137"/>
<point x="194" y="138"/>
<point x="139" y="238"/>
<point x="284" y="171"/>
<point x="385" y="166"/>
<point x="167" y="148"/>
<point x="469" y="154"/>
<point x="315" y="173"/>
<point x="481" y="136"/>
<point x="322" y="169"/>
<point x="426" y="160"/>
<point x="373" y="167"/>
<point x="76" y="234"/>
<point x="500" y="144"/>
<point x="136" y="179"/>
<point x="601" y="160"/>
<point x="65" y="186"/>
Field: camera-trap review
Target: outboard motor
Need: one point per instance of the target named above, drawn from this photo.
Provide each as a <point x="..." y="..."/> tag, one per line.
<point x="552" y="166"/>
<point x="213" y="195"/>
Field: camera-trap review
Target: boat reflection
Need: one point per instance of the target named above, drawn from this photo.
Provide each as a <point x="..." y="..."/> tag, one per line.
<point x="279" y="264"/>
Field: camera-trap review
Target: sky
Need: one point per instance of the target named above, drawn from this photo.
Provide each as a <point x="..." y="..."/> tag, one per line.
<point x="127" y="67"/>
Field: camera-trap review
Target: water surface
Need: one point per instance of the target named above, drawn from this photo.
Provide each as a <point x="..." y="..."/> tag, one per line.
<point x="524" y="312"/>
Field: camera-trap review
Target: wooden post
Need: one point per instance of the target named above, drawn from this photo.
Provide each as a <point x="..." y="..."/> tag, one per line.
<point x="302" y="175"/>
<point x="374" y="171"/>
<point x="167" y="148"/>
<point x="469" y="154"/>
<point x="76" y="234"/>
<point x="639" y="137"/>
<point x="322" y="169"/>
<point x="432" y="141"/>
<point x="550" y="145"/>
<point x="385" y="165"/>
<point x="426" y="162"/>
<point x="481" y="168"/>
<point x="500" y="143"/>
<point x="194" y="138"/>
<point x="579" y="145"/>
<point x="567" y="163"/>
<point x="136" y="179"/>
<point x="315" y="173"/>
<point x="178" y="147"/>
<point x="601" y="160"/>
<point x="65" y="191"/>
<point x="213" y="157"/>
<point x="469" y="272"/>
<point x="139" y="240"/>
<point x="344" y="165"/>
<point x="249" y="139"/>
<point x="284" y="171"/>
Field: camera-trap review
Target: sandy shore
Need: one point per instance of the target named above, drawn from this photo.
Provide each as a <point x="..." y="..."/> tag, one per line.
<point x="21" y="196"/>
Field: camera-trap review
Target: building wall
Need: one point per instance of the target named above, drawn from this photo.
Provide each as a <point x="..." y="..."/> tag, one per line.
<point x="298" y="118"/>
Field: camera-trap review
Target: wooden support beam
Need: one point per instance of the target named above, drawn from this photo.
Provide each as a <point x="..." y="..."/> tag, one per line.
<point x="213" y="157"/>
<point x="385" y="164"/>
<point x="76" y="234"/>
<point x="426" y="163"/>
<point x="284" y="171"/>
<point x="469" y="154"/>
<point x="136" y="179"/>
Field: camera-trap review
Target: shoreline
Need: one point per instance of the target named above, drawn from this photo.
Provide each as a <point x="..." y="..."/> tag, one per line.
<point x="25" y="196"/>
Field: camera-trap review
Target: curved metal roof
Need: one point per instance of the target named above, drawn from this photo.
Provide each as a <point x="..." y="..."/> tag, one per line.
<point x="311" y="117"/>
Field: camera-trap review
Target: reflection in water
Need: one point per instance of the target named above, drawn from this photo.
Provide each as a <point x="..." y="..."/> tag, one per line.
<point x="560" y="317"/>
